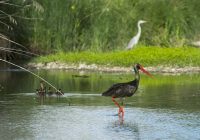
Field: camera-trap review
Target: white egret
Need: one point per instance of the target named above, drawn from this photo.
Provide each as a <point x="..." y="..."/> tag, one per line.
<point x="196" y="44"/>
<point x="136" y="38"/>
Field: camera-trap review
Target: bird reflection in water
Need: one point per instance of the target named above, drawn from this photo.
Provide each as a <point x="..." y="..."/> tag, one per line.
<point x="122" y="127"/>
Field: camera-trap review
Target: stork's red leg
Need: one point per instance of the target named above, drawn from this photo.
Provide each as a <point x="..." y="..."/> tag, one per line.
<point x="116" y="103"/>
<point x="121" y="108"/>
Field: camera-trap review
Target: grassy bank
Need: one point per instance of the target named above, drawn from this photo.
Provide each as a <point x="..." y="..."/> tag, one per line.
<point x="147" y="56"/>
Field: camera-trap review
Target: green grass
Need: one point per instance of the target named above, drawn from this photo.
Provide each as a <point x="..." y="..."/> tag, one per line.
<point x="147" y="56"/>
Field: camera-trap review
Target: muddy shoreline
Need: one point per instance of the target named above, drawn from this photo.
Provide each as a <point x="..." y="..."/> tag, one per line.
<point x="94" y="67"/>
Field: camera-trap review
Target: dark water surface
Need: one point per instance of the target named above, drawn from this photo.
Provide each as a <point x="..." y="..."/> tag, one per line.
<point x="165" y="107"/>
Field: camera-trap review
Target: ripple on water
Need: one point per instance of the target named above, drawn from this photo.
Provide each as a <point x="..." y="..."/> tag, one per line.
<point x="91" y="122"/>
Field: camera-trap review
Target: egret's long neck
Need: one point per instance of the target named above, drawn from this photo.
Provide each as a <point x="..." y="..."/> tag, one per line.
<point x="137" y="75"/>
<point x="139" y="30"/>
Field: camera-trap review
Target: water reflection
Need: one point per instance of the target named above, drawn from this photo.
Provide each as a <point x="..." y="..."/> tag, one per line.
<point x="130" y="128"/>
<point x="166" y="104"/>
<point x="177" y="91"/>
<point x="53" y="121"/>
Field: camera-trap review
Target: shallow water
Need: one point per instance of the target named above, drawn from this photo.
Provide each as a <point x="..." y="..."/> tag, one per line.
<point x="165" y="107"/>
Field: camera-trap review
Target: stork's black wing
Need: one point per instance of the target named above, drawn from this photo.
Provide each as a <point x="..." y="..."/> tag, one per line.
<point x="122" y="89"/>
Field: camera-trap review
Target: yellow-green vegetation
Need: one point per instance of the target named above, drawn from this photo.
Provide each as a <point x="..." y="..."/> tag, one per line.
<point x="148" y="56"/>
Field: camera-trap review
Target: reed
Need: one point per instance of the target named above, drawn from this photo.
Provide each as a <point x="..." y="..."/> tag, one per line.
<point x="104" y="25"/>
<point x="98" y="25"/>
<point x="16" y="21"/>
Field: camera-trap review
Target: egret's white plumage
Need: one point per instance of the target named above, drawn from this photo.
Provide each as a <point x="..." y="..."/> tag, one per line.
<point x="196" y="44"/>
<point x="136" y="38"/>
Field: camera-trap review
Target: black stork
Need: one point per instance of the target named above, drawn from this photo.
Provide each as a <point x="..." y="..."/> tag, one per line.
<point x="122" y="90"/>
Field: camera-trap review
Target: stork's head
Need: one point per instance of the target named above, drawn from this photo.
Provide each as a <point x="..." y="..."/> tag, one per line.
<point x="141" y="21"/>
<point x="140" y="67"/>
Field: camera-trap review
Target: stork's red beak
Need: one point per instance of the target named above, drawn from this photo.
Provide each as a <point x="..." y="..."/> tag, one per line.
<point x="146" y="72"/>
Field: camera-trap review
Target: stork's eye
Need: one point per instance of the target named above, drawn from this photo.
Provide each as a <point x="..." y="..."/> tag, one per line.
<point x="138" y="66"/>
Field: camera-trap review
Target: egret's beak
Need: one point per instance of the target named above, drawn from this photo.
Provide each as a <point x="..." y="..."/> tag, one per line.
<point x="146" y="72"/>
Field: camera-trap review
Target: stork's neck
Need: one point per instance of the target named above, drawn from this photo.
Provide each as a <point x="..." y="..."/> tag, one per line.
<point x="137" y="75"/>
<point x="139" y="30"/>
